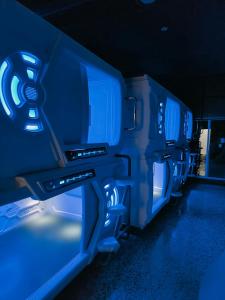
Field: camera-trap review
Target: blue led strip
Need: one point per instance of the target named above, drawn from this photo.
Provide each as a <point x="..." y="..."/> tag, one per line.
<point x="14" y="90"/>
<point x="27" y="57"/>
<point x="34" y="127"/>
<point x="30" y="73"/>
<point x="4" y="102"/>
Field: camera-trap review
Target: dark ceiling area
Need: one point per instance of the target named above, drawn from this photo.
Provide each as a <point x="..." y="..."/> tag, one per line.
<point x="177" y="42"/>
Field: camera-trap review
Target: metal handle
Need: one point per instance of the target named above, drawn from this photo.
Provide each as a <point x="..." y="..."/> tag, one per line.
<point x="134" y="99"/>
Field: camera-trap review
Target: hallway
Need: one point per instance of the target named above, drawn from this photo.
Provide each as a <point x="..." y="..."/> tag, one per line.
<point x="165" y="261"/>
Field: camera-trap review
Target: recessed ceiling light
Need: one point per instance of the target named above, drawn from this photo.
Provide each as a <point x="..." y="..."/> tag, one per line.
<point x="147" y="1"/>
<point x="164" y="28"/>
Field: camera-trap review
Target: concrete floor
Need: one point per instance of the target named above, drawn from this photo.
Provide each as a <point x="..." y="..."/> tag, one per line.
<point x="166" y="261"/>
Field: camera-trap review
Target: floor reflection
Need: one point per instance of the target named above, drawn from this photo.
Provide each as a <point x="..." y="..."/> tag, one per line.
<point x="167" y="260"/>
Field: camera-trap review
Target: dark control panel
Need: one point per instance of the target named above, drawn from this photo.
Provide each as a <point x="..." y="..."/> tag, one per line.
<point x="64" y="181"/>
<point x="85" y="153"/>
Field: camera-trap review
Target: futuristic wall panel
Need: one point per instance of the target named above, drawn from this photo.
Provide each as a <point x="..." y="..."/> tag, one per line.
<point x="21" y="93"/>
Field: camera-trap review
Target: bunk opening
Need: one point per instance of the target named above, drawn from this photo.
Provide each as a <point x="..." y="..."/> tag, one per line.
<point x="160" y="184"/>
<point x="37" y="239"/>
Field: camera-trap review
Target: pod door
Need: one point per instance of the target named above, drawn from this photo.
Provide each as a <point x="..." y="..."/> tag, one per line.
<point x="39" y="239"/>
<point x="172" y="121"/>
<point x="105" y="100"/>
<point x="161" y="184"/>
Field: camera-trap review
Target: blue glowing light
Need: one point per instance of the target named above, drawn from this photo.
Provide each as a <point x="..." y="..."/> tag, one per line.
<point x="29" y="58"/>
<point x="34" y="127"/>
<point x="30" y="74"/>
<point x="112" y="197"/>
<point x="33" y="113"/>
<point x="5" y="105"/>
<point x="14" y="90"/>
<point x="12" y="86"/>
<point x="31" y="93"/>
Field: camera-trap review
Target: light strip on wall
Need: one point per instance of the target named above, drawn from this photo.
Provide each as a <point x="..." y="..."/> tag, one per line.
<point x="5" y="105"/>
<point x="14" y="90"/>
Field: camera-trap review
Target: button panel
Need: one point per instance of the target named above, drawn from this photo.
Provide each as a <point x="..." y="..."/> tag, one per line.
<point x="64" y="181"/>
<point x="85" y="153"/>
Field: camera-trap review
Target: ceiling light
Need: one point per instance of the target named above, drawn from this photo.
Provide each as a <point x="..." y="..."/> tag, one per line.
<point x="164" y="28"/>
<point x="147" y="1"/>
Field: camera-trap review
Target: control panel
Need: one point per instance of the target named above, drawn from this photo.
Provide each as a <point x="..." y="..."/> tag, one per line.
<point x="85" y="153"/>
<point x="57" y="183"/>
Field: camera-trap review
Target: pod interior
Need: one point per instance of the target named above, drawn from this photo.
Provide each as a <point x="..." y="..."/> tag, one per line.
<point x="161" y="177"/>
<point x="35" y="234"/>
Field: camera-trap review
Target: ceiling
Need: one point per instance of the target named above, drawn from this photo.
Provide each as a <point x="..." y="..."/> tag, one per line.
<point x="166" y="39"/>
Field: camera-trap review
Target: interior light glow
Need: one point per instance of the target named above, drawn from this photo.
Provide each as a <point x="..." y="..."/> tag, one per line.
<point x="14" y="90"/>
<point x="159" y="180"/>
<point x="42" y="220"/>
<point x="5" y="105"/>
<point x="71" y="231"/>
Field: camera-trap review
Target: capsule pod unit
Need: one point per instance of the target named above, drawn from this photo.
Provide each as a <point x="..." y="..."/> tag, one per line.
<point x="152" y="161"/>
<point x="64" y="193"/>
<point x="51" y="92"/>
<point x="66" y="217"/>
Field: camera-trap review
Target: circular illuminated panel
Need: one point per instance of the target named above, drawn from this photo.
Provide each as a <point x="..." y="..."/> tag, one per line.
<point x="21" y="94"/>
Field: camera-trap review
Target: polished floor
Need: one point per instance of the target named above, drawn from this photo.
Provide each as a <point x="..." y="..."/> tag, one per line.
<point x="169" y="260"/>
